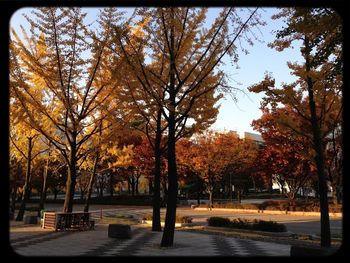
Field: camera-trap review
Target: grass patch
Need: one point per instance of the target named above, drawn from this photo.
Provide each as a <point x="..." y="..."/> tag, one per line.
<point x="179" y="218"/>
<point x="120" y="216"/>
<point x="118" y="219"/>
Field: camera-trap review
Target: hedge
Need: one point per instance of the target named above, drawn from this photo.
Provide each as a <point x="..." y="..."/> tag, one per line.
<point x="261" y="225"/>
<point x="280" y="205"/>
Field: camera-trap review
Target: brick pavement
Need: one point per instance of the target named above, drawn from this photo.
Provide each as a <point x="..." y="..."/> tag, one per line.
<point x="33" y="241"/>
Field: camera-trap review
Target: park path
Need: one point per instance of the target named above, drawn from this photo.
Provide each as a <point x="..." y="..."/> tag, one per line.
<point x="32" y="241"/>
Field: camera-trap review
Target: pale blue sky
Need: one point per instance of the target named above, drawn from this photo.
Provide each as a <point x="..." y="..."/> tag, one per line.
<point x="252" y="67"/>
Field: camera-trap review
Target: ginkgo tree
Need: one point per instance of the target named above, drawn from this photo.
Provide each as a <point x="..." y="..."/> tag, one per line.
<point x="186" y="56"/>
<point x="148" y="112"/>
<point x="26" y="144"/>
<point x="55" y="72"/>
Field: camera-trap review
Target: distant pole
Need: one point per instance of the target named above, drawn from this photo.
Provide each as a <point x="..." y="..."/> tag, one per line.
<point x="101" y="213"/>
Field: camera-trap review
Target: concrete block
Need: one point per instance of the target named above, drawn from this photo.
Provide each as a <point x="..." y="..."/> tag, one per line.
<point x="119" y="231"/>
<point x="30" y="219"/>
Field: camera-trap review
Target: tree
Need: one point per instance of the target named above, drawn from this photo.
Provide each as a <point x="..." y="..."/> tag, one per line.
<point x="334" y="163"/>
<point x="214" y="155"/>
<point x="286" y="156"/>
<point x="15" y="180"/>
<point x="186" y="57"/>
<point x="241" y="166"/>
<point x="26" y="144"/>
<point x="186" y="170"/>
<point x="51" y="156"/>
<point x="66" y="92"/>
<point x="145" y="94"/>
<point x="317" y="91"/>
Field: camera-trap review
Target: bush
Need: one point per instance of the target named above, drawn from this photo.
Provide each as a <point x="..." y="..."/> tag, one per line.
<point x="298" y="205"/>
<point x="241" y="223"/>
<point x="269" y="226"/>
<point x="232" y="205"/>
<point x="219" y="221"/>
<point x="183" y="219"/>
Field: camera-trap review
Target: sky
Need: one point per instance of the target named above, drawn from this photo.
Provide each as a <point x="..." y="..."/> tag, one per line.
<point x="238" y="115"/>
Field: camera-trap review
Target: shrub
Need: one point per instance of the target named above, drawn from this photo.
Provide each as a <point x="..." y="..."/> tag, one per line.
<point x="219" y="221"/>
<point x="147" y="217"/>
<point x="270" y="226"/>
<point x="241" y="223"/>
<point x="233" y="205"/>
<point x="183" y="219"/>
<point x="281" y="205"/>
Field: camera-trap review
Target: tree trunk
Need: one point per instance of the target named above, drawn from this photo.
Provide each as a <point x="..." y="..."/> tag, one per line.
<point x="211" y="203"/>
<point x="71" y="181"/>
<point x="322" y="184"/>
<point x="27" y="183"/>
<point x="169" y="228"/>
<point x="137" y="186"/>
<point x="111" y="184"/>
<point x="132" y="185"/>
<point x="199" y="190"/>
<point x="44" y="187"/>
<point x="91" y="183"/>
<point x="150" y="186"/>
<point x="239" y="195"/>
<point x="15" y="187"/>
<point x="270" y="184"/>
<point x="156" y="226"/>
<point x="101" y="190"/>
<point x="170" y="217"/>
<point x="334" y="193"/>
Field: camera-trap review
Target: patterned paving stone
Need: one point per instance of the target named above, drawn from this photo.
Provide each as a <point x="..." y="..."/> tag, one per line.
<point x="66" y="244"/>
<point x="110" y="245"/>
<point x="238" y="248"/>
<point x="185" y="244"/>
<point x="37" y="239"/>
<point x="27" y="237"/>
<point x="254" y="249"/>
<point x="228" y="247"/>
<point x="273" y="249"/>
<point x="122" y="247"/>
<point x="144" y="242"/>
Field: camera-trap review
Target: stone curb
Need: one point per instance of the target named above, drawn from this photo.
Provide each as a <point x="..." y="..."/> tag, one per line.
<point x="271" y="212"/>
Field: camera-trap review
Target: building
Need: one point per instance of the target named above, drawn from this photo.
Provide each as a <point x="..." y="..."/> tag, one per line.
<point x="254" y="137"/>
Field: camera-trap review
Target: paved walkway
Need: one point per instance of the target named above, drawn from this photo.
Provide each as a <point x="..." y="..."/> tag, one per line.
<point x="34" y="241"/>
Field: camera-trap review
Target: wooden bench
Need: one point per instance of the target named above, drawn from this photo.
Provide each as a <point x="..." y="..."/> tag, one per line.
<point x="63" y="221"/>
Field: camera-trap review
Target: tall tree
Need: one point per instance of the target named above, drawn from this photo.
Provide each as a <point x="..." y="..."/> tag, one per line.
<point x="71" y="96"/>
<point x="25" y="142"/>
<point x="317" y="91"/>
<point x="186" y="57"/>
